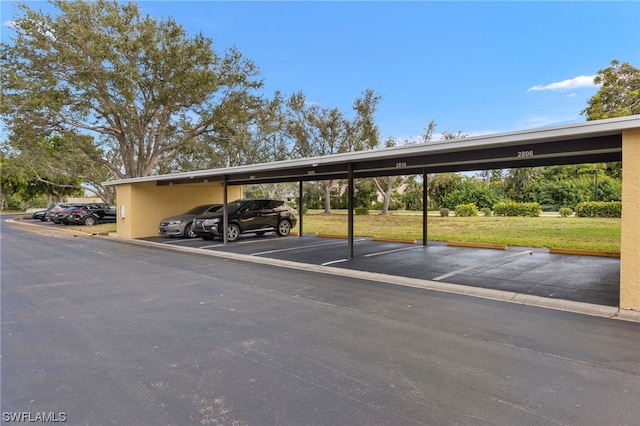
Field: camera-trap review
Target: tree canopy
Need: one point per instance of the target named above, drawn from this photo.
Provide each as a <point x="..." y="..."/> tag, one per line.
<point x="140" y="86"/>
<point x="619" y="93"/>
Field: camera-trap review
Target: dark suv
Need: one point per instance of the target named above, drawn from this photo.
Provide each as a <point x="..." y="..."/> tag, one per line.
<point x="257" y="216"/>
<point x="92" y="214"/>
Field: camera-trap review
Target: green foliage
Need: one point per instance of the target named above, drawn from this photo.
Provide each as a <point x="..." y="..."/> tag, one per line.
<point x="394" y="204"/>
<point x="475" y="191"/>
<point x="466" y="210"/>
<point x="444" y="212"/>
<point x="512" y="208"/>
<point x="599" y="209"/>
<point x="619" y="93"/>
<point x="362" y="211"/>
<point x="312" y="195"/>
<point x="411" y="198"/>
<point x="440" y="185"/>
<point x="486" y="211"/>
<point x="520" y="184"/>
<point x="14" y="202"/>
<point x="364" y="195"/>
<point x="565" y="211"/>
<point x="559" y="186"/>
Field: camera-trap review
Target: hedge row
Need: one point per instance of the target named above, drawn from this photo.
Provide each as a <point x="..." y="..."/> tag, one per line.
<point x="599" y="209"/>
<point x="512" y="208"/>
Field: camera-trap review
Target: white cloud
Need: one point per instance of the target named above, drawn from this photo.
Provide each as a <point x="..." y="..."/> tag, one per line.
<point x="9" y="24"/>
<point x="579" y="82"/>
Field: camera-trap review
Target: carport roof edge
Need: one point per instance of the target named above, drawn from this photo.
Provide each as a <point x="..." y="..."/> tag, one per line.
<point x="528" y="138"/>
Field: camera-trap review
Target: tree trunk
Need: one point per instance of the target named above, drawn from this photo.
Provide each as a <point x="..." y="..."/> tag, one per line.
<point x="327" y="196"/>
<point x="386" y="197"/>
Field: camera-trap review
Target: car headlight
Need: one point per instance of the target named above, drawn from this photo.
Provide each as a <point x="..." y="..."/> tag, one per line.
<point x="211" y="222"/>
<point x="174" y="222"/>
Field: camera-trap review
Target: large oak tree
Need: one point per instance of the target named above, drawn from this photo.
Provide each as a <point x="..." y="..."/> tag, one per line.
<point x="140" y="86"/>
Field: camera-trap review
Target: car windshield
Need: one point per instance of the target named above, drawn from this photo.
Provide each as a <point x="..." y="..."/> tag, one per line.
<point x="202" y="209"/>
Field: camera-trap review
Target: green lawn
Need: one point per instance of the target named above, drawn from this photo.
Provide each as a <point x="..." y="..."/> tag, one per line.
<point x="545" y="231"/>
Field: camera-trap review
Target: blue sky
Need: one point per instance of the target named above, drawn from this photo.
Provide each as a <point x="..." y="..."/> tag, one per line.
<point x="476" y="67"/>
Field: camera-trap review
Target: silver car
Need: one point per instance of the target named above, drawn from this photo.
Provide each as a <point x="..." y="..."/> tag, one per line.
<point x="181" y="225"/>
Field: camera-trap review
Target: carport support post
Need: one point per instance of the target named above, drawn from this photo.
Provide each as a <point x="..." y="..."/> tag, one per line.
<point x="350" y="208"/>
<point x="300" y="207"/>
<point x="424" y="207"/>
<point x="225" y="210"/>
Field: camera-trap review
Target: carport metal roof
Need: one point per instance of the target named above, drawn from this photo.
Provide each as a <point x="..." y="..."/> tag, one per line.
<point x="588" y="142"/>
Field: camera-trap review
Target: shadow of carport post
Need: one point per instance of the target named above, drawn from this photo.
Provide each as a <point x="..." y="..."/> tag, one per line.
<point x="300" y="206"/>
<point x="350" y="208"/>
<point x="424" y="206"/>
<point x="225" y="209"/>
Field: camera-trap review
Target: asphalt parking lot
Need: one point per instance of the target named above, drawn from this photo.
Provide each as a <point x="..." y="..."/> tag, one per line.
<point x="97" y="330"/>
<point x="522" y="270"/>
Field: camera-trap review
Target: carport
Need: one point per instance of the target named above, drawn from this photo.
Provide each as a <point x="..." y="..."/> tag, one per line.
<point x="142" y="201"/>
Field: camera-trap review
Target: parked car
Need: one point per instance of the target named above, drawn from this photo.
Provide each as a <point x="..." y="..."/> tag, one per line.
<point x="62" y="216"/>
<point x="39" y="214"/>
<point x="181" y="225"/>
<point x="93" y="214"/>
<point x="54" y="208"/>
<point x="257" y="216"/>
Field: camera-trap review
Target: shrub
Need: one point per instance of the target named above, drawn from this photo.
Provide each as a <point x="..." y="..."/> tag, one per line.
<point x="485" y="211"/>
<point x="444" y="212"/>
<point x="466" y="210"/>
<point x="599" y="209"/>
<point x="565" y="211"/>
<point x="512" y="208"/>
<point x="362" y="211"/>
<point x="474" y="192"/>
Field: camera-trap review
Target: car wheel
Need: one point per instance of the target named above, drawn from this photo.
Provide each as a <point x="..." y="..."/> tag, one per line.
<point x="89" y="221"/>
<point x="188" y="231"/>
<point x="284" y="227"/>
<point x="233" y="232"/>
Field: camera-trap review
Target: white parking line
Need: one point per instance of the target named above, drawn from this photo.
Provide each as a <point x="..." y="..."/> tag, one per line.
<point x="301" y="247"/>
<point x="334" y="261"/>
<point x="256" y="240"/>
<point x="391" y="251"/>
<point x="480" y="265"/>
<point x="177" y="241"/>
<point x="214" y="245"/>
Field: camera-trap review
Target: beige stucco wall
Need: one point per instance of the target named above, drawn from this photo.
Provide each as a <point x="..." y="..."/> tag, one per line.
<point x="630" y="238"/>
<point x="145" y="204"/>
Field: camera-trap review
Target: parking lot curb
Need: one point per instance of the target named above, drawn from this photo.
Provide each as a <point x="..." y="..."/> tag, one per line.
<point x="580" y="252"/>
<point x="484" y="293"/>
